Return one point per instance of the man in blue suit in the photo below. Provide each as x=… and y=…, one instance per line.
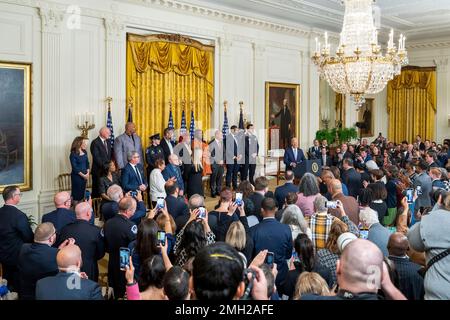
x=69, y=283
x=234, y=146
x=175, y=204
x=293, y=155
x=133, y=177
x=275, y=237
x=282, y=191
x=38, y=260
x=173, y=170
x=111, y=208
x=62, y=216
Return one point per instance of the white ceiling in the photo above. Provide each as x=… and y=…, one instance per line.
x=418, y=19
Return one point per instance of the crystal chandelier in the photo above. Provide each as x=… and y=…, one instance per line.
x=359, y=66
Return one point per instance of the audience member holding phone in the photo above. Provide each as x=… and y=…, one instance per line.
x=225, y=213
x=195, y=235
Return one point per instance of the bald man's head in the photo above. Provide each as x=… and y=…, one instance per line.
x=83, y=211
x=360, y=267
x=69, y=258
x=398, y=244
x=335, y=186
x=62, y=200
x=104, y=133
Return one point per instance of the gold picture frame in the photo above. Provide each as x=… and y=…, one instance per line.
x=16, y=125
x=366, y=115
x=275, y=93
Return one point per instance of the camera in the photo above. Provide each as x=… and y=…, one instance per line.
x=269, y=259
x=419, y=190
x=124, y=258
x=239, y=199
x=331, y=204
x=201, y=213
x=409, y=194
x=161, y=236
x=160, y=203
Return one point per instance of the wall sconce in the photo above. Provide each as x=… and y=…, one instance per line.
x=85, y=122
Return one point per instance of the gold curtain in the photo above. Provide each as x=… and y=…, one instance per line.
x=340, y=108
x=411, y=104
x=161, y=68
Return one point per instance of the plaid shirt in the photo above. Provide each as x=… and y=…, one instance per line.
x=329, y=260
x=320, y=225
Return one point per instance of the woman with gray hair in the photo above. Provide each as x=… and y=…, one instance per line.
x=293, y=217
x=308, y=190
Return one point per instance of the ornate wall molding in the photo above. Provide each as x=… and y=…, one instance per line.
x=441, y=64
x=115, y=28
x=429, y=45
x=52, y=19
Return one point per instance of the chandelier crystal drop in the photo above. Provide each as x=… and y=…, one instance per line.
x=359, y=67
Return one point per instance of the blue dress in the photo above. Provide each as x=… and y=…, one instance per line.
x=80, y=163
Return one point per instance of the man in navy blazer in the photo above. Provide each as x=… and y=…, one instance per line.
x=273, y=236
x=167, y=144
x=37, y=260
x=175, y=204
x=133, y=177
x=69, y=283
x=111, y=208
x=173, y=170
x=282, y=191
x=293, y=155
x=62, y=216
x=325, y=159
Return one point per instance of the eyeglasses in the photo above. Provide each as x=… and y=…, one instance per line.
x=19, y=194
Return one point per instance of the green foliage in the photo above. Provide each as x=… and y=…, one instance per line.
x=344, y=134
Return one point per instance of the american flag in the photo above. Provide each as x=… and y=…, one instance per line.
x=183, y=123
x=130, y=115
x=109, y=125
x=241, y=120
x=225, y=127
x=170, y=124
x=192, y=126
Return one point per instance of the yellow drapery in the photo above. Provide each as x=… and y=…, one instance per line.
x=161, y=68
x=411, y=104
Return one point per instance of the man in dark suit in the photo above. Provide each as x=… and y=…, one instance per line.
x=217, y=152
x=293, y=155
x=69, y=283
x=345, y=152
x=325, y=159
x=351, y=178
x=285, y=124
x=430, y=158
x=175, y=204
x=261, y=191
x=101, y=154
x=251, y=153
x=410, y=281
x=282, y=191
x=364, y=156
x=314, y=151
x=133, y=177
x=37, y=260
x=273, y=236
x=167, y=144
x=62, y=215
x=233, y=150
x=111, y=208
x=119, y=231
x=173, y=170
x=88, y=237
x=15, y=231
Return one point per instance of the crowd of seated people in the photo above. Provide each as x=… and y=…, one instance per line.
x=377, y=205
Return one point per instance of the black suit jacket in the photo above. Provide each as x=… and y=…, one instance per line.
x=257, y=199
x=90, y=240
x=352, y=180
x=289, y=157
x=14, y=232
x=282, y=191
x=176, y=206
x=36, y=261
x=56, y=288
x=111, y=208
x=328, y=161
x=166, y=149
x=59, y=217
x=314, y=154
x=100, y=156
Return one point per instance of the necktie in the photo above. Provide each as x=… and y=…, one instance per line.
x=106, y=146
x=295, y=154
x=138, y=175
x=132, y=137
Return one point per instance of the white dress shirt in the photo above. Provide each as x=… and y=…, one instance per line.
x=157, y=183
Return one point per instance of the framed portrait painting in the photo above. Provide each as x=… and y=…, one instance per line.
x=366, y=117
x=282, y=114
x=15, y=125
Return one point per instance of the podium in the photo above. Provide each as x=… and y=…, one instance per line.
x=311, y=166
